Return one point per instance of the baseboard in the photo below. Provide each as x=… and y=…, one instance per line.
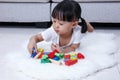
x=25, y=24
x=106, y=25
x=48, y=24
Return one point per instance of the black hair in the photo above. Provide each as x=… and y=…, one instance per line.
x=69, y=10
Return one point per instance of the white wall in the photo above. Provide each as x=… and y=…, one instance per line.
x=24, y=12
x=40, y=12
x=101, y=12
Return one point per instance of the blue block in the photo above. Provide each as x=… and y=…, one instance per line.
x=46, y=53
x=56, y=58
x=66, y=59
x=33, y=54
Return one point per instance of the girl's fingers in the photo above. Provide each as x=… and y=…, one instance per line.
x=30, y=48
x=55, y=47
x=36, y=48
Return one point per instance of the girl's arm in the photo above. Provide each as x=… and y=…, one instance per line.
x=70, y=48
x=33, y=42
x=89, y=27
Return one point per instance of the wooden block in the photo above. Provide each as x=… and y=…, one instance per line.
x=55, y=62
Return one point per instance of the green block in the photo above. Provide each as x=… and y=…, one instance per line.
x=60, y=55
x=45, y=61
x=44, y=56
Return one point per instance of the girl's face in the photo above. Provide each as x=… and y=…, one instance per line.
x=63, y=27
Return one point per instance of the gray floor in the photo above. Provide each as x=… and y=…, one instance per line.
x=8, y=37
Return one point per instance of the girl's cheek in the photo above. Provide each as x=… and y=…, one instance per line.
x=53, y=24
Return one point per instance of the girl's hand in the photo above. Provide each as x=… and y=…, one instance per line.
x=57, y=47
x=53, y=47
x=32, y=44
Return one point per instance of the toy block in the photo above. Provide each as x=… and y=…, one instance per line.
x=40, y=50
x=60, y=55
x=51, y=55
x=55, y=62
x=67, y=56
x=39, y=55
x=80, y=56
x=73, y=56
x=56, y=58
x=34, y=53
x=44, y=56
x=45, y=61
x=67, y=59
x=70, y=62
x=46, y=53
x=56, y=51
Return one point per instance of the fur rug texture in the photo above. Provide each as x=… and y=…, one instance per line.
x=98, y=49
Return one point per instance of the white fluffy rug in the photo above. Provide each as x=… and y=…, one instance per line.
x=98, y=49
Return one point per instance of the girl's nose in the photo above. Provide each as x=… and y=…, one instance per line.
x=56, y=25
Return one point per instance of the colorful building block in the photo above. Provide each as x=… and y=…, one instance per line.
x=66, y=57
x=55, y=62
x=45, y=59
x=56, y=58
x=73, y=56
x=52, y=54
x=60, y=55
x=40, y=53
x=34, y=53
x=46, y=53
x=80, y=56
x=40, y=50
x=70, y=62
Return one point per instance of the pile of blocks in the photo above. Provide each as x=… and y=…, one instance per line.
x=56, y=57
x=72, y=58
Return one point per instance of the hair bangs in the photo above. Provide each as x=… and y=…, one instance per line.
x=66, y=11
x=63, y=15
x=57, y=14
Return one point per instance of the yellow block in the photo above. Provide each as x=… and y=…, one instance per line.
x=40, y=50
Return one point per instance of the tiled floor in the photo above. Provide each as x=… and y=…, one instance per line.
x=8, y=42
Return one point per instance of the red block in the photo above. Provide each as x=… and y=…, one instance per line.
x=70, y=62
x=56, y=51
x=51, y=55
x=40, y=56
x=67, y=56
x=80, y=56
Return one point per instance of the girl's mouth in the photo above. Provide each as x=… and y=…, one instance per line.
x=56, y=31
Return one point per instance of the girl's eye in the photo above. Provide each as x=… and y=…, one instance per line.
x=61, y=23
x=54, y=21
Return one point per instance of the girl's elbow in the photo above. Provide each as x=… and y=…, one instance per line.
x=90, y=29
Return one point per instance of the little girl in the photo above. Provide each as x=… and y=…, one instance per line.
x=65, y=33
